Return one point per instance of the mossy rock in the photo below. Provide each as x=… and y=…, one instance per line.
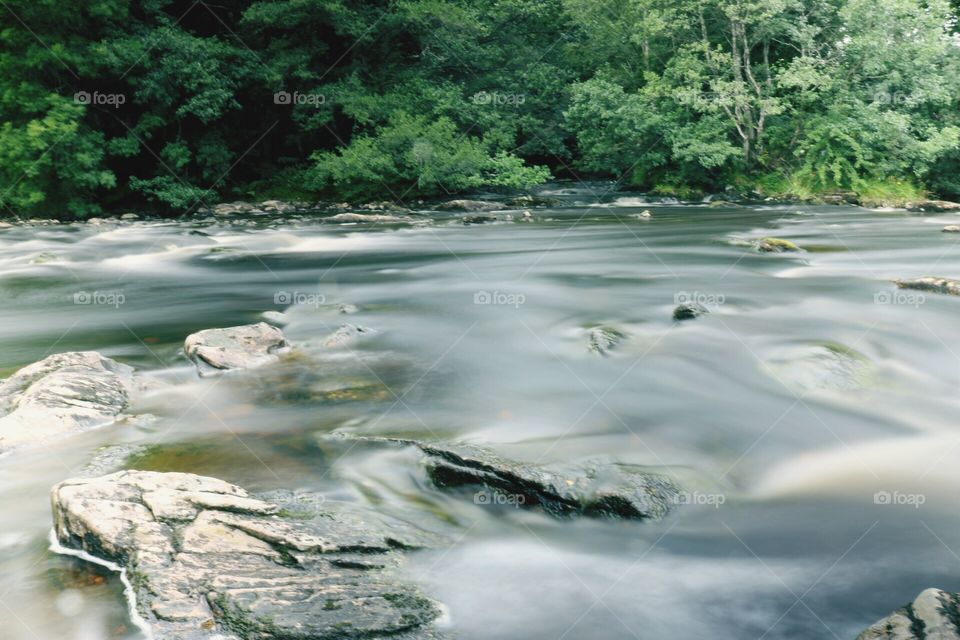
x=777, y=245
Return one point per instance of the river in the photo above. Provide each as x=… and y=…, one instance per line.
x=811, y=415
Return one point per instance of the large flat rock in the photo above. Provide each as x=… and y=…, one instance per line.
x=62, y=394
x=934, y=615
x=208, y=560
x=244, y=347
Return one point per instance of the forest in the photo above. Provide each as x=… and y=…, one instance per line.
x=166, y=105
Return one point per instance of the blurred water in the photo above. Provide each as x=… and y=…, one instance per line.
x=812, y=386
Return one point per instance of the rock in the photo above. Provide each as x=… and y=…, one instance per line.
x=826, y=366
x=593, y=488
x=953, y=228
x=277, y=206
x=689, y=311
x=468, y=205
x=776, y=245
x=384, y=206
x=243, y=347
x=602, y=340
x=931, y=284
x=531, y=201
x=369, y=218
x=62, y=394
x=643, y=215
x=934, y=615
x=839, y=198
x=935, y=206
x=345, y=335
x=206, y=560
x=129, y=216
x=95, y=221
x=5, y=225
x=481, y=219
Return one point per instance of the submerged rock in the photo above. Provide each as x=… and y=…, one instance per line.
x=689, y=311
x=933, y=285
x=934, y=615
x=243, y=347
x=827, y=366
x=602, y=340
x=479, y=219
x=344, y=335
x=468, y=205
x=777, y=245
x=209, y=561
x=60, y=394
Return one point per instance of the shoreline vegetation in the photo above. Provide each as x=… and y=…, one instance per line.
x=167, y=106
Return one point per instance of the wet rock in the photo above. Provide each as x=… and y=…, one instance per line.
x=345, y=335
x=129, y=216
x=5, y=225
x=689, y=311
x=468, y=206
x=827, y=366
x=934, y=615
x=602, y=340
x=935, y=206
x=531, y=201
x=369, y=218
x=643, y=215
x=243, y=347
x=384, y=206
x=931, y=284
x=62, y=394
x=593, y=488
x=776, y=245
x=481, y=219
x=207, y=560
x=953, y=228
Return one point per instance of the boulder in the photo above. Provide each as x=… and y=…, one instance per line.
x=934, y=615
x=243, y=347
x=952, y=228
x=468, y=205
x=689, y=311
x=931, y=284
x=479, y=219
x=207, y=560
x=62, y=394
x=935, y=206
x=776, y=245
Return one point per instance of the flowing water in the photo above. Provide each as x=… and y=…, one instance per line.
x=811, y=415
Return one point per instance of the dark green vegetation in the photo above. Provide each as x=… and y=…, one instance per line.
x=170, y=103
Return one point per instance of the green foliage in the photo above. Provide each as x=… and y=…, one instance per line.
x=402, y=98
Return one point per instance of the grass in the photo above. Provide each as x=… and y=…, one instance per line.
x=871, y=192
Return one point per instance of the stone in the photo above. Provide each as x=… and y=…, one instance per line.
x=776, y=245
x=62, y=394
x=244, y=347
x=369, y=218
x=934, y=615
x=952, y=228
x=468, y=206
x=129, y=216
x=207, y=560
x=934, y=285
x=689, y=311
x=602, y=340
x=345, y=335
x=935, y=206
